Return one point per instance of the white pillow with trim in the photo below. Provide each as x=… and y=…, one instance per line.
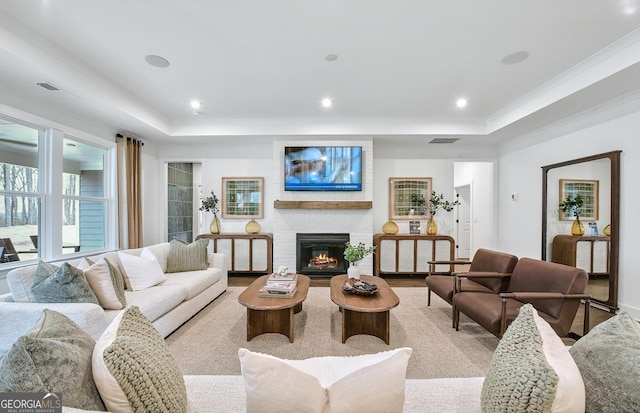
x=368, y=383
x=106, y=282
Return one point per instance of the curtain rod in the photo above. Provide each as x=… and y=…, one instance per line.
x=119, y=135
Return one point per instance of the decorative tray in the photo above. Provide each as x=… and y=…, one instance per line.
x=359, y=287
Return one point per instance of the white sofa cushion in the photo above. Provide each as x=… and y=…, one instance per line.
x=194, y=282
x=19, y=281
x=142, y=271
x=158, y=300
x=368, y=383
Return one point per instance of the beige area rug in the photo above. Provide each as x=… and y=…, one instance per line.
x=209, y=342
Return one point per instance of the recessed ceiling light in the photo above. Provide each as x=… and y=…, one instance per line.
x=195, y=104
x=461, y=103
x=327, y=103
x=331, y=57
x=157, y=61
x=514, y=58
x=629, y=10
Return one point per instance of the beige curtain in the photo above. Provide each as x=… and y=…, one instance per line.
x=129, y=192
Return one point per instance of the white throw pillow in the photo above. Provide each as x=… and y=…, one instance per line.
x=570, y=394
x=368, y=383
x=160, y=251
x=142, y=272
x=107, y=284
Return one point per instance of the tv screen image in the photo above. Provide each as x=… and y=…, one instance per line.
x=323, y=168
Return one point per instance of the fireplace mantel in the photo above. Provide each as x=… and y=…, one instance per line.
x=322, y=204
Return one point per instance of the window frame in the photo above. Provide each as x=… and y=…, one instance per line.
x=50, y=179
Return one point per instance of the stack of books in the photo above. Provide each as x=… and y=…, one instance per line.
x=279, y=286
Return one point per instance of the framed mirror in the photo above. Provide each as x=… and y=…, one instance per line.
x=402, y=193
x=597, y=179
x=242, y=197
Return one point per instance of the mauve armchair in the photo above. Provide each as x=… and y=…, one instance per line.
x=485, y=262
x=555, y=290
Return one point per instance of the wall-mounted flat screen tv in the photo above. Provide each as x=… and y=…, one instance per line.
x=323, y=168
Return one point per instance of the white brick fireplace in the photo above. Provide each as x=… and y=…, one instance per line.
x=358, y=223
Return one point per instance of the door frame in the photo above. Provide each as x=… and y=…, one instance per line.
x=457, y=226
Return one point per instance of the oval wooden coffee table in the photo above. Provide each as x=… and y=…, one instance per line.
x=364, y=314
x=272, y=315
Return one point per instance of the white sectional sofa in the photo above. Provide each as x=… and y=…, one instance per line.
x=167, y=305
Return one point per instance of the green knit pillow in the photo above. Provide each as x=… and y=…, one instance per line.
x=134, y=369
x=187, y=257
x=520, y=379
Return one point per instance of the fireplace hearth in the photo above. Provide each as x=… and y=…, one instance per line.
x=321, y=255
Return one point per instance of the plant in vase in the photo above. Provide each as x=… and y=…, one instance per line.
x=210, y=204
x=436, y=203
x=572, y=205
x=354, y=254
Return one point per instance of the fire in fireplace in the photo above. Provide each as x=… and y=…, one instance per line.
x=321, y=255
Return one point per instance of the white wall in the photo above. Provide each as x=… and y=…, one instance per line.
x=519, y=226
x=224, y=160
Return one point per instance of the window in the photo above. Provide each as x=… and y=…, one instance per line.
x=20, y=196
x=83, y=197
x=57, y=204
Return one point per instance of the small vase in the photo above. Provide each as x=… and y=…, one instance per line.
x=252, y=227
x=577, y=228
x=607, y=230
x=432, y=227
x=390, y=228
x=353, y=272
x=215, y=225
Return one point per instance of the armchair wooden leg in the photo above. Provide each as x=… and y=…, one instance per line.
x=503, y=318
x=428, y=296
x=586, y=323
x=456, y=317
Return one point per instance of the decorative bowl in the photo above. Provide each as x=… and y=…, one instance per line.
x=358, y=287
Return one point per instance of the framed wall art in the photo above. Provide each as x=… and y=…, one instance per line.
x=588, y=190
x=243, y=197
x=404, y=195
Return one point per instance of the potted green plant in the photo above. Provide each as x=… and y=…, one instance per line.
x=354, y=254
x=436, y=203
x=210, y=204
x=572, y=205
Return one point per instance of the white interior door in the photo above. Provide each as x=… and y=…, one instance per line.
x=463, y=222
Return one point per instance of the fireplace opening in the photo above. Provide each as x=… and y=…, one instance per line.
x=321, y=255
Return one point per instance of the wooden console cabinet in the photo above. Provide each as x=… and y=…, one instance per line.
x=247, y=253
x=588, y=253
x=404, y=254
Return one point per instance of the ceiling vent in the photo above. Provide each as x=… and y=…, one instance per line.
x=47, y=86
x=444, y=140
